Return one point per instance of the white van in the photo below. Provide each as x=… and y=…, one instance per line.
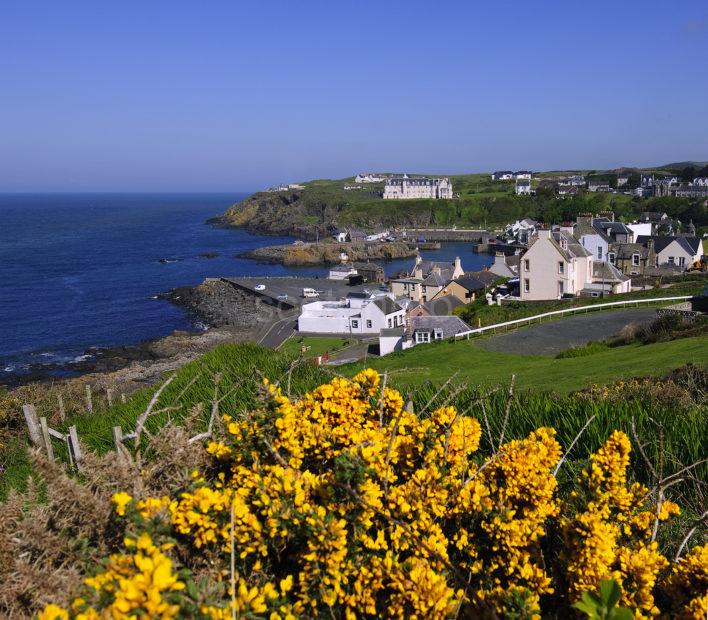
x=310, y=292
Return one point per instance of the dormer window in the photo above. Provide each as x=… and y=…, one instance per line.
x=635, y=260
x=564, y=244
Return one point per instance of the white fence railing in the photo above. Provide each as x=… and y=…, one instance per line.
x=590, y=307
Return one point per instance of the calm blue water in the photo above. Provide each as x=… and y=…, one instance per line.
x=78, y=271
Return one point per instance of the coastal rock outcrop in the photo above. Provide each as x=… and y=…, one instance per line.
x=329, y=253
x=219, y=304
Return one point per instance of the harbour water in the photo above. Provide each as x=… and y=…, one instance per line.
x=81, y=271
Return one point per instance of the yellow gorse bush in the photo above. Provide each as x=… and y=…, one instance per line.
x=344, y=503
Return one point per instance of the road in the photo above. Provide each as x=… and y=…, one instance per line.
x=560, y=334
x=279, y=332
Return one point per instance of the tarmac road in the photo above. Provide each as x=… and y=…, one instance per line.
x=560, y=334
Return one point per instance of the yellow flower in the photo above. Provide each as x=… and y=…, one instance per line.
x=53, y=612
x=121, y=500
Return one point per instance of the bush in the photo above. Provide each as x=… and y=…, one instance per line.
x=581, y=351
x=346, y=503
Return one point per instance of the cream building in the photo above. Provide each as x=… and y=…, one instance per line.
x=556, y=264
x=402, y=188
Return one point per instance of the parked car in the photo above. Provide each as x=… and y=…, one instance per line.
x=259, y=287
x=282, y=297
x=310, y=292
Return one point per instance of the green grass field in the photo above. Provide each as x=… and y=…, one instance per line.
x=316, y=345
x=438, y=361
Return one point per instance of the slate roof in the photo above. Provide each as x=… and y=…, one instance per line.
x=469, y=283
x=487, y=277
x=604, y=271
x=392, y=331
x=450, y=325
x=442, y=306
x=573, y=250
x=387, y=305
x=437, y=279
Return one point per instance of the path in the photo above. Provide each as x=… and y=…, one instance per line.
x=560, y=334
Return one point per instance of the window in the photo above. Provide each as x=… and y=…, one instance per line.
x=527, y=265
x=355, y=324
x=422, y=336
x=369, y=324
x=671, y=260
x=561, y=267
x=560, y=288
x=599, y=252
x=438, y=334
x=611, y=257
x=389, y=323
x=682, y=261
x=527, y=285
x=635, y=260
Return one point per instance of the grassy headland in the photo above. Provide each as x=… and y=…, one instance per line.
x=481, y=203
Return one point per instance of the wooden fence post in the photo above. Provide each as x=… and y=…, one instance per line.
x=33, y=425
x=89, y=399
x=47, y=438
x=62, y=410
x=109, y=396
x=117, y=438
x=74, y=445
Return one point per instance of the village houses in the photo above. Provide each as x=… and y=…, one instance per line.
x=426, y=279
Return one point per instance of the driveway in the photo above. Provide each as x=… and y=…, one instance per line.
x=560, y=334
x=279, y=332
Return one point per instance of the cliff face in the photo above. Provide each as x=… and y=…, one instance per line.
x=309, y=213
x=329, y=253
x=282, y=213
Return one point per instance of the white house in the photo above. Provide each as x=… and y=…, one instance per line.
x=702, y=181
x=369, y=178
x=598, y=185
x=342, y=271
x=523, y=186
x=522, y=230
x=502, y=175
x=354, y=315
x=679, y=252
x=642, y=229
x=406, y=188
x=391, y=340
x=577, y=179
x=523, y=174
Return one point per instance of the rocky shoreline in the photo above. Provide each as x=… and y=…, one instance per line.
x=230, y=314
x=329, y=253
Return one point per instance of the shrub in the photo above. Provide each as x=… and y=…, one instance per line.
x=581, y=351
x=346, y=503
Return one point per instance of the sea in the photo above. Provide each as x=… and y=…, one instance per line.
x=81, y=271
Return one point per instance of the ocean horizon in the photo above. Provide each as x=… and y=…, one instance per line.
x=79, y=271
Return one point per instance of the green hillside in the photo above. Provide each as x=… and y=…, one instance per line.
x=480, y=203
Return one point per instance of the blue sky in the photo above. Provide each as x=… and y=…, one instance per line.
x=235, y=95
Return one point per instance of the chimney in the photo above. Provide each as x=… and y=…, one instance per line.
x=585, y=218
x=544, y=233
x=650, y=244
x=610, y=215
x=458, y=264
